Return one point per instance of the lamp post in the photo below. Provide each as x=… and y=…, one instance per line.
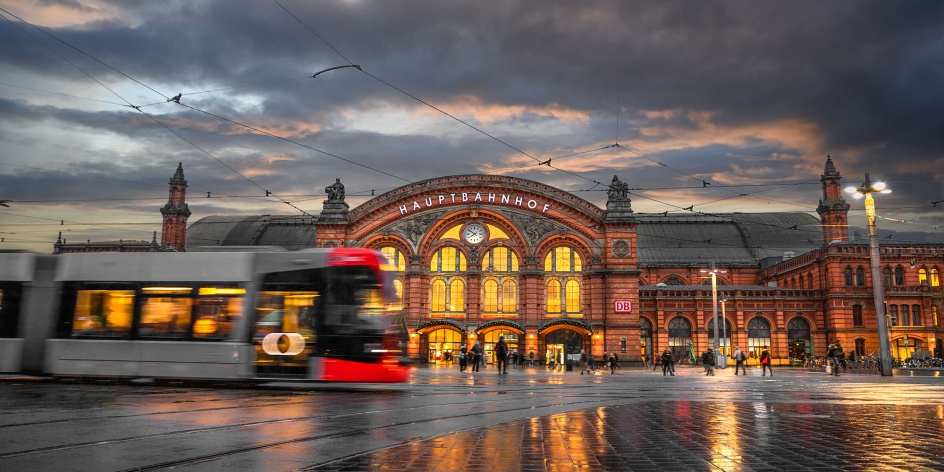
x=866, y=190
x=714, y=300
x=724, y=326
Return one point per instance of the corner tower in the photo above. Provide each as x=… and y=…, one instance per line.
x=176, y=212
x=833, y=209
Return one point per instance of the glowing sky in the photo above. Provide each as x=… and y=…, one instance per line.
x=722, y=106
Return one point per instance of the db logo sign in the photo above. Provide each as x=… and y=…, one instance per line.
x=283, y=344
x=623, y=306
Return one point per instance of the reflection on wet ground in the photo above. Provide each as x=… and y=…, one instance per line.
x=672, y=435
x=530, y=419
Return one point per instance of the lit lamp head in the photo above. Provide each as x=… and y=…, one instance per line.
x=867, y=187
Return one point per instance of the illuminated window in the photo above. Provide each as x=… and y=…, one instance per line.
x=563, y=267
x=457, y=295
x=572, y=296
x=448, y=259
x=103, y=313
x=438, y=302
x=935, y=278
x=758, y=336
x=396, y=258
x=553, y=296
x=923, y=276
x=490, y=302
x=217, y=311
x=509, y=296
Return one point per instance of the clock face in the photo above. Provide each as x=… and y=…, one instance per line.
x=474, y=233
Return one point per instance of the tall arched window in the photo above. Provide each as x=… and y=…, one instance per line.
x=645, y=338
x=680, y=338
x=563, y=268
x=500, y=290
x=447, y=268
x=848, y=275
x=935, y=277
x=860, y=276
x=398, y=266
x=886, y=276
x=905, y=316
x=758, y=336
x=899, y=276
x=915, y=315
x=799, y=338
x=923, y=276
x=857, y=315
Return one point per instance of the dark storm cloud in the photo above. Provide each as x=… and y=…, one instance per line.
x=726, y=92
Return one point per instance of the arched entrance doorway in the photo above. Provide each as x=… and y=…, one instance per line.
x=439, y=342
x=561, y=340
x=799, y=339
x=491, y=338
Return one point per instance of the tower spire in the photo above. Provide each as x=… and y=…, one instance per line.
x=833, y=209
x=176, y=212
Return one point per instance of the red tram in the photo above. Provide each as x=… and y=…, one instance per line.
x=261, y=314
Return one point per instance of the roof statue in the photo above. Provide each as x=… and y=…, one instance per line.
x=335, y=191
x=618, y=190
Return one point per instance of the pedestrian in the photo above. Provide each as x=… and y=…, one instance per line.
x=463, y=358
x=583, y=361
x=765, y=363
x=708, y=359
x=612, y=362
x=591, y=368
x=531, y=359
x=834, y=352
x=739, y=358
x=668, y=363
x=656, y=362
x=549, y=358
x=501, y=355
x=476, y=356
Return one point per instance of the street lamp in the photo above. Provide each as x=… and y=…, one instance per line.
x=714, y=299
x=866, y=190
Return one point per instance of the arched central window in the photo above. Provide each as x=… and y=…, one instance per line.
x=447, y=291
x=500, y=285
x=758, y=336
x=563, y=267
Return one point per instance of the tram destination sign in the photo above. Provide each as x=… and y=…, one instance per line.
x=623, y=306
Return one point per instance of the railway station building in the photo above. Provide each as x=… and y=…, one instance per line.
x=483, y=256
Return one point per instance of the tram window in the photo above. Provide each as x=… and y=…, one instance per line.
x=9, y=310
x=217, y=311
x=103, y=313
x=285, y=312
x=165, y=312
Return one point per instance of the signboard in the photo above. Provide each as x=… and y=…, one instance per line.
x=623, y=306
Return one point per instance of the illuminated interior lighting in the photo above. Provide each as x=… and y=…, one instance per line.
x=167, y=289
x=221, y=291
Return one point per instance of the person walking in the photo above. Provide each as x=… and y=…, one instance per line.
x=476, y=356
x=531, y=359
x=549, y=359
x=591, y=368
x=463, y=358
x=501, y=355
x=765, y=363
x=668, y=363
x=834, y=352
x=708, y=359
x=583, y=362
x=739, y=358
x=612, y=362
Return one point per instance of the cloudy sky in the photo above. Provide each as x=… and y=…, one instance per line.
x=721, y=106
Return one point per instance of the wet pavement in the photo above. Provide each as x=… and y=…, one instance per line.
x=529, y=419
